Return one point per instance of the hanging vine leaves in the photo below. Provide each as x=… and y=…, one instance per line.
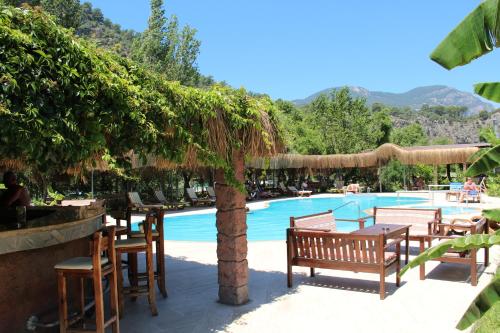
x=64, y=101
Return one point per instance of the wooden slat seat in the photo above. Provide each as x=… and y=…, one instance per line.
x=342, y=251
x=130, y=242
x=83, y=263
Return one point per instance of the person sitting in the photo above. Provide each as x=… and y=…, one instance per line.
x=304, y=185
x=15, y=195
x=419, y=183
x=352, y=188
x=470, y=188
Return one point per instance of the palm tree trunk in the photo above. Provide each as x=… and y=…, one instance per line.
x=232, y=236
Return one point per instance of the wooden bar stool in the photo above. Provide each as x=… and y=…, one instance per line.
x=133, y=246
x=96, y=268
x=158, y=238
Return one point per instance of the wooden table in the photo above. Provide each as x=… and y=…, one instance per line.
x=391, y=231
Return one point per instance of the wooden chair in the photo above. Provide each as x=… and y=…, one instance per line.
x=330, y=250
x=197, y=201
x=134, y=246
x=158, y=236
x=446, y=231
x=323, y=221
x=96, y=268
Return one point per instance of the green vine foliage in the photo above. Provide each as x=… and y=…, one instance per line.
x=64, y=101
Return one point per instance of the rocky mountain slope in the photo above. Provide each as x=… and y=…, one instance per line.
x=415, y=98
x=457, y=131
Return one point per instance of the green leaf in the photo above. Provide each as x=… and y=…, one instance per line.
x=488, y=90
x=492, y=214
x=487, y=162
x=469, y=242
x=475, y=36
x=487, y=299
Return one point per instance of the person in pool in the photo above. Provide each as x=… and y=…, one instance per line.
x=15, y=195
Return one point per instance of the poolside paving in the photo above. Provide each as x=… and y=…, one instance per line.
x=332, y=301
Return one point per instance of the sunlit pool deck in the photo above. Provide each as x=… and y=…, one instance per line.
x=333, y=300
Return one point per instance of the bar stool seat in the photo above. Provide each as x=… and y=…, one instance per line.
x=140, y=234
x=130, y=242
x=101, y=265
x=81, y=263
x=121, y=230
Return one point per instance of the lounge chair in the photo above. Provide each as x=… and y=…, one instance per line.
x=134, y=201
x=282, y=188
x=198, y=201
x=211, y=193
x=293, y=190
x=470, y=196
x=169, y=204
x=455, y=191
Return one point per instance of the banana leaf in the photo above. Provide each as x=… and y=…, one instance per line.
x=487, y=300
x=492, y=214
x=475, y=36
x=487, y=162
x=459, y=244
x=488, y=90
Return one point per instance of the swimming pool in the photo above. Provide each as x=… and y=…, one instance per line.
x=270, y=223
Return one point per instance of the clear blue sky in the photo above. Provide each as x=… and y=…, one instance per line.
x=290, y=49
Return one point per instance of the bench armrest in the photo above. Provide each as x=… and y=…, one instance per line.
x=360, y=221
x=395, y=241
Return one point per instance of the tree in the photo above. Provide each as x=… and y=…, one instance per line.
x=165, y=49
x=345, y=124
x=66, y=12
x=411, y=135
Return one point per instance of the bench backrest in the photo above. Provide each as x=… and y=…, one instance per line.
x=324, y=220
x=335, y=247
x=419, y=218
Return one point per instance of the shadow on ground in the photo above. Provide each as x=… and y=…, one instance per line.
x=191, y=305
x=193, y=292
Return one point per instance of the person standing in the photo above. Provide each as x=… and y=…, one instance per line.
x=15, y=195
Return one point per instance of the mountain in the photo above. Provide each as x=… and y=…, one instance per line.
x=415, y=98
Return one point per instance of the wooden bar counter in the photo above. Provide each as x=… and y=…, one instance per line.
x=28, y=255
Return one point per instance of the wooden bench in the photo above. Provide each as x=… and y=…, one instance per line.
x=323, y=220
x=317, y=248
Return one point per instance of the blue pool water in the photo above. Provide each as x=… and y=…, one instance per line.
x=270, y=223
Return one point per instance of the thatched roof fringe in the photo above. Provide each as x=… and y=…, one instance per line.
x=433, y=155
